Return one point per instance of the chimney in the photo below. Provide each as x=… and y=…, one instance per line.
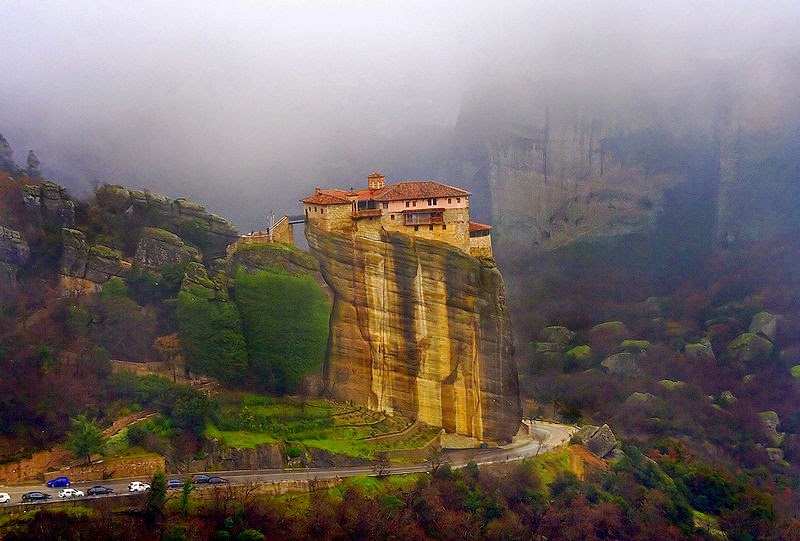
x=318, y=191
x=376, y=181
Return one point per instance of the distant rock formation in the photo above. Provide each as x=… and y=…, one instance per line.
x=419, y=328
x=7, y=163
x=14, y=252
x=33, y=165
x=49, y=202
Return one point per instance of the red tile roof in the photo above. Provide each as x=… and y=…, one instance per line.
x=475, y=226
x=326, y=199
x=424, y=189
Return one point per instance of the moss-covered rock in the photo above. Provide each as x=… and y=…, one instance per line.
x=671, y=384
x=103, y=263
x=634, y=346
x=699, y=349
x=159, y=248
x=750, y=349
x=272, y=255
x=561, y=336
x=610, y=327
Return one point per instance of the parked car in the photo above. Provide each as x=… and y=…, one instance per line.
x=62, y=481
x=200, y=478
x=175, y=483
x=71, y=493
x=4, y=497
x=35, y=496
x=217, y=480
x=99, y=490
x=138, y=486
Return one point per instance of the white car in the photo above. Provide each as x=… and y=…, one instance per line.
x=70, y=493
x=4, y=497
x=138, y=486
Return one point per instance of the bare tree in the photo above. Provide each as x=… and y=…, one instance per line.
x=381, y=464
x=435, y=460
x=539, y=437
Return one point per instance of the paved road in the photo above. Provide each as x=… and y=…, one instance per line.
x=543, y=437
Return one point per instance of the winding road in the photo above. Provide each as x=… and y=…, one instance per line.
x=542, y=437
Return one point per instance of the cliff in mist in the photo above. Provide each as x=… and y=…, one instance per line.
x=550, y=162
x=419, y=328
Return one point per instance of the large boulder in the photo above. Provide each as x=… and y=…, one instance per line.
x=764, y=324
x=599, y=440
x=750, y=349
x=158, y=248
x=622, y=364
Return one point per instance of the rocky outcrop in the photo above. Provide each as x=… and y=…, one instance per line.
x=103, y=263
x=272, y=255
x=49, y=202
x=158, y=248
x=33, y=165
x=14, y=252
x=7, y=163
x=74, y=253
x=419, y=328
x=219, y=457
x=86, y=265
x=770, y=421
x=185, y=218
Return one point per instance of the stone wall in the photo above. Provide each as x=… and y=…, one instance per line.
x=329, y=217
x=481, y=247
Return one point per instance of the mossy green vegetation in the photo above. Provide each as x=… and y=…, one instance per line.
x=285, y=324
x=211, y=333
x=246, y=420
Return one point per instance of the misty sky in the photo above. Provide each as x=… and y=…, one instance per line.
x=245, y=106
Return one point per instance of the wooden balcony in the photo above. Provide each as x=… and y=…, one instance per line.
x=365, y=213
x=424, y=218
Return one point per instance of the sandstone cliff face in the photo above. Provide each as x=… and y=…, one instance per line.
x=420, y=328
